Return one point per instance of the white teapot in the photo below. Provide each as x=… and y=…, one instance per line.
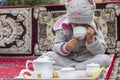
x=42, y=65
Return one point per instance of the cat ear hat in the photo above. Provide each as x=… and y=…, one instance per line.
x=78, y=11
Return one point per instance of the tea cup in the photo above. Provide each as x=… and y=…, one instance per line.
x=91, y=68
x=79, y=32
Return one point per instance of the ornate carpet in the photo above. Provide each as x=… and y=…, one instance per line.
x=15, y=30
x=10, y=67
x=115, y=74
x=113, y=71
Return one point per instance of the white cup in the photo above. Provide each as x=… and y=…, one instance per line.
x=80, y=73
x=79, y=32
x=91, y=68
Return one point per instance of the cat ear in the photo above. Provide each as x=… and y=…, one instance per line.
x=68, y=1
x=91, y=1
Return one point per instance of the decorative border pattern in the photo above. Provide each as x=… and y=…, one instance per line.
x=46, y=20
x=15, y=31
x=110, y=14
x=108, y=24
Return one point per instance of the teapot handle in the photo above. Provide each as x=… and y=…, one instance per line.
x=27, y=64
x=22, y=73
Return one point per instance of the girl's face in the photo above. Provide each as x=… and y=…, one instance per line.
x=75, y=25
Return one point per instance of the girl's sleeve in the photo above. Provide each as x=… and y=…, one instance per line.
x=98, y=46
x=59, y=43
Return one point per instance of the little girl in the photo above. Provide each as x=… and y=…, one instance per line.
x=69, y=50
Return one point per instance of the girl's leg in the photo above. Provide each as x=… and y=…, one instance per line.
x=61, y=61
x=102, y=59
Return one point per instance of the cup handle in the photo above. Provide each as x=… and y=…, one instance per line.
x=21, y=74
x=27, y=64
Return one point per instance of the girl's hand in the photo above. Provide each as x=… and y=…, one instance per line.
x=90, y=33
x=72, y=44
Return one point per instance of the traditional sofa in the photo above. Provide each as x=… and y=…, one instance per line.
x=27, y=30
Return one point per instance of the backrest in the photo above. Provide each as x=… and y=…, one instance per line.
x=107, y=16
x=27, y=30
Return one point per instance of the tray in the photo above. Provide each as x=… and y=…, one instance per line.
x=94, y=77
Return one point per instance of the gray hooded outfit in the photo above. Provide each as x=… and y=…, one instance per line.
x=84, y=53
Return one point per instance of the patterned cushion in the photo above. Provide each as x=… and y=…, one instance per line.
x=106, y=17
x=24, y=33
x=15, y=31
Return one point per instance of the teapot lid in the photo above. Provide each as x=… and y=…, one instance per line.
x=44, y=59
x=67, y=69
x=93, y=64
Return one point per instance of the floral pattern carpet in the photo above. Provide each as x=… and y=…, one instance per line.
x=113, y=71
x=11, y=67
x=116, y=69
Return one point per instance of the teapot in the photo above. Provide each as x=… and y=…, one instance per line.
x=42, y=65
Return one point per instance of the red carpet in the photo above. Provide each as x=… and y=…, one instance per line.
x=10, y=67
